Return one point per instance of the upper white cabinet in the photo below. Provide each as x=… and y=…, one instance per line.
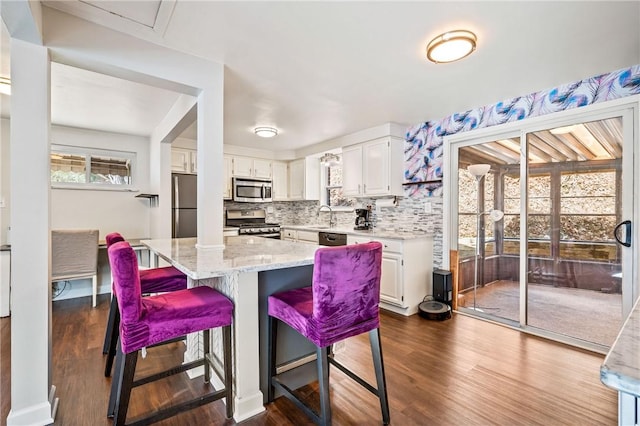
x=280, y=178
x=228, y=166
x=304, y=179
x=184, y=160
x=373, y=168
x=251, y=167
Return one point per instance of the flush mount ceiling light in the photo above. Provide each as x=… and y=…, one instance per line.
x=5, y=85
x=266, y=132
x=451, y=46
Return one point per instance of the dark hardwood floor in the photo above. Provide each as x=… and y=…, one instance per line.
x=461, y=371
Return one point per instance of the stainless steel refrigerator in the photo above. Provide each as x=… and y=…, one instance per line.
x=184, y=203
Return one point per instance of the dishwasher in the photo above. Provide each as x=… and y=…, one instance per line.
x=332, y=239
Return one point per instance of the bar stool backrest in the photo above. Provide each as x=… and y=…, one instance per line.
x=346, y=287
x=126, y=281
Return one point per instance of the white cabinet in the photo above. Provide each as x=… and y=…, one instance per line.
x=352, y=171
x=373, y=168
x=304, y=179
x=251, y=167
x=280, y=171
x=227, y=188
x=184, y=160
x=300, y=236
x=407, y=267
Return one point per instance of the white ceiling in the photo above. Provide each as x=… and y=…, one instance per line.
x=320, y=70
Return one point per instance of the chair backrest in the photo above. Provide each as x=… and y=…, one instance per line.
x=113, y=238
x=346, y=285
x=126, y=281
x=74, y=253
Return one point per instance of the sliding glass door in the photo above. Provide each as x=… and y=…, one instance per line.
x=535, y=214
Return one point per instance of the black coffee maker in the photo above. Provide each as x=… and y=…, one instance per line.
x=363, y=219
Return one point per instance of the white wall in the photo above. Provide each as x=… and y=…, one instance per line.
x=107, y=211
x=5, y=181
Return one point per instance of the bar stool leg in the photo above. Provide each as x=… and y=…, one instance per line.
x=323, y=388
x=116, y=382
x=113, y=308
x=115, y=332
x=126, y=385
x=376, y=352
x=206, y=337
x=228, y=370
x=272, y=332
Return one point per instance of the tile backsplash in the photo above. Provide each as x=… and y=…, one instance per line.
x=407, y=215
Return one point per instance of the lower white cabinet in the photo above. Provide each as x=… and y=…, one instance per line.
x=299, y=236
x=407, y=267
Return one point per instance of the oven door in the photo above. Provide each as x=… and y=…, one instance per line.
x=252, y=190
x=274, y=236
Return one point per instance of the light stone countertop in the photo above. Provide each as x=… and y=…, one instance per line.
x=621, y=368
x=240, y=254
x=379, y=233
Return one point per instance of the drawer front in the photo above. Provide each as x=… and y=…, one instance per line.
x=308, y=236
x=394, y=246
x=289, y=234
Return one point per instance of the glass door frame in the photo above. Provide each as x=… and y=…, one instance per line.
x=629, y=109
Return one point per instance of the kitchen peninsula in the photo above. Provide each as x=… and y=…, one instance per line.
x=247, y=270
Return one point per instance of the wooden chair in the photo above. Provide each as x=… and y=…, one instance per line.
x=74, y=256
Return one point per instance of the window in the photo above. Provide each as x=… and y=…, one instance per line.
x=332, y=184
x=90, y=168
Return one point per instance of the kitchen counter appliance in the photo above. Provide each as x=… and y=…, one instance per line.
x=252, y=190
x=252, y=222
x=363, y=219
x=332, y=239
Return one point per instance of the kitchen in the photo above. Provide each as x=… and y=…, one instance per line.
x=64, y=200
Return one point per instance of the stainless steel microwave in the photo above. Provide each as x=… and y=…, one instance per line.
x=252, y=190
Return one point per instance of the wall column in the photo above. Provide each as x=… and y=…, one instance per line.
x=30, y=237
x=211, y=163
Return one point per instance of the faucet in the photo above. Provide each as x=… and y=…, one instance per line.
x=332, y=215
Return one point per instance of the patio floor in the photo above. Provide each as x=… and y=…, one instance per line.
x=584, y=314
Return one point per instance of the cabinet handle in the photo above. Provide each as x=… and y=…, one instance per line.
x=250, y=171
x=184, y=166
x=358, y=188
x=364, y=190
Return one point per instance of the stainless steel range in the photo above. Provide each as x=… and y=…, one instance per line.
x=253, y=222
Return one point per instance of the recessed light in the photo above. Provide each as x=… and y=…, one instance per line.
x=451, y=46
x=266, y=132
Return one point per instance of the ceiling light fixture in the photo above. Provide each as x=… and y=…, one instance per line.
x=451, y=46
x=330, y=159
x=5, y=85
x=266, y=132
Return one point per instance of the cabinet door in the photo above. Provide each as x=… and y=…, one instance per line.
x=391, y=279
x=352, y=170
x=296, y=180
x=228, y=165
x=180, y=160
x=262, y=169
x=193, y=161
x=242, y=166
x=280, y=181
x=376, y=168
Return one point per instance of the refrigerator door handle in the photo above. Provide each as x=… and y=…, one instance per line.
x=176, y=222
x=176, y=198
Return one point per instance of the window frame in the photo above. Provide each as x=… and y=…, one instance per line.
x=88, y=153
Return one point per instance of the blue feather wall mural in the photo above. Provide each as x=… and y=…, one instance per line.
x=424, y=149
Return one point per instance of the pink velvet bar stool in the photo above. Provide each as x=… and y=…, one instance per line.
x=156, y=280
x=341, y=302
x=147, y=321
